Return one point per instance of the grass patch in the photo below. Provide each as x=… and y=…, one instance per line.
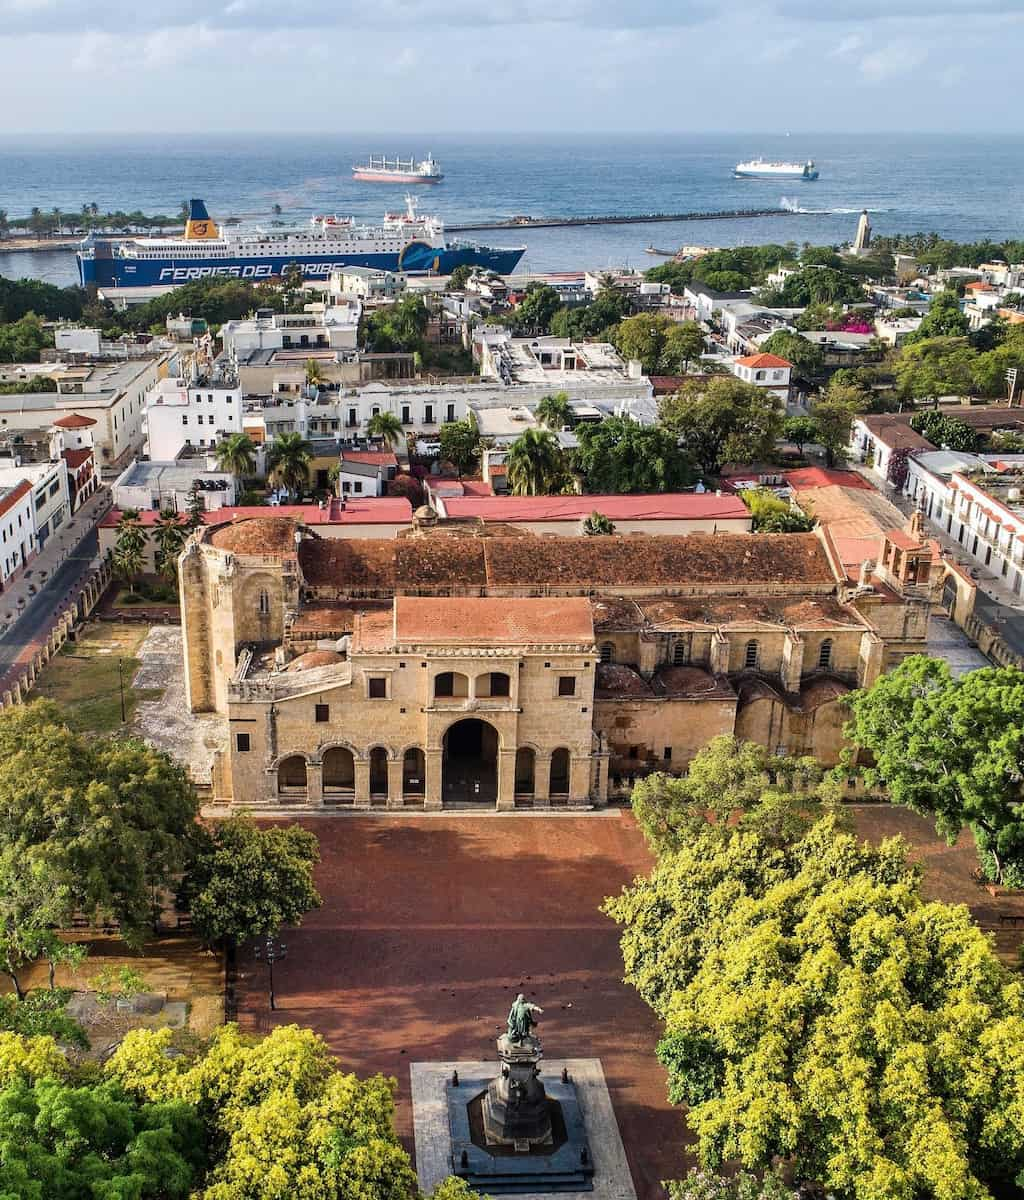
x=84, y=677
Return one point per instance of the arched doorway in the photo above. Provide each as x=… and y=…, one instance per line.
x=414, y=775
x=559, y=786
x=525, y=771
x=378, y=775
x=291, y=777
x=339, y=775
x=470, y=763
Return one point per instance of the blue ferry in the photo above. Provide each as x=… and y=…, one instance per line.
x=402, y=242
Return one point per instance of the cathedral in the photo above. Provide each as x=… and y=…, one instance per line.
x=471, y=664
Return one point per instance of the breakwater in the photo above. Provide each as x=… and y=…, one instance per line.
x=725, y=214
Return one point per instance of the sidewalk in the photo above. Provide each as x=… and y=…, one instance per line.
x=22, y=596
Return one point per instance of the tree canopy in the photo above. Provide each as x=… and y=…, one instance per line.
x=806, y=356
x=535, y=464
x=953, y=750
x=619, y=455
x=942, y=429
x=722, y=420
x=460, y=444
x=944, y=318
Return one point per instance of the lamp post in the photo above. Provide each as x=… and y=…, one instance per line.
x=272, y=951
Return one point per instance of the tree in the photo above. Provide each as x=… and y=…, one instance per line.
x=778, y=797
x=643, y=338
x=816, y=285
x=129, y=544
x=102, y=821
x=833, y=420
x=23, y=340
x=935, y=367
x=169, y=534
x=704, y=1185
x=33, y=901
x=61, y=1142
x=944, y=430
x=288, y=459
x=944, y=319
x=723, y=419
x=409, y=487
x=42, y=1013
x=236, y=454
x=554, y=411
x=618, y=455
x=314, y=372
x=196, y=508
x=387, y=426
x=397, y=328
x=774, y=515
x=598, y=525
x=532, y=315
x=807, y=357
x=460, y=444
x=535, y=464
x=286, y=1121
x=458, y=279
x=818, y=1010
x=596, y=320
x=799, y=431
x=951, y=749
x=684, y=344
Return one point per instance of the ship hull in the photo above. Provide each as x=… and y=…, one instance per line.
x=394, y=177
x=807, y=176
x=416, y=258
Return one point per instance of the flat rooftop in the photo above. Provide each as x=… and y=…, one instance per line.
x=167, y=476
x=681, y=506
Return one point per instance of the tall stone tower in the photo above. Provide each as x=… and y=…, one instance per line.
x=862, y=242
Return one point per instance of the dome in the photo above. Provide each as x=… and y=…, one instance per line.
x=315, y=658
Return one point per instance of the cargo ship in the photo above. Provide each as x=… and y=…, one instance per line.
x=758, y=168
x=403, y=241
x=398, y=170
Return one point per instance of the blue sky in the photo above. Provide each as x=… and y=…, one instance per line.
x=533, y=65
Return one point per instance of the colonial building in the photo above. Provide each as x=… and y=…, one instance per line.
x=467, y=662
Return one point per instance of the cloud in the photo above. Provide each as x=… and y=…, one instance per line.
x=891, y=60
x=860, y=11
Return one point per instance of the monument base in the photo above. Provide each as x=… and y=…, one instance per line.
x=435, y=1143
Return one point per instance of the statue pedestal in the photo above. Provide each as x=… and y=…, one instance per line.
x=516, y=1111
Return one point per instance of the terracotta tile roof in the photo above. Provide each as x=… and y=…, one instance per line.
x=324, y=618
x=268, y=535
x=356, y=563
x=370, y=458
x=617, y=614
x=902, y=540
x=815, y=477
x=673, y=506
x=821, y=690
x=74, y=421
x=895, y=432
x=374, y=631
x=8, y=501
x=692, y=682
x=498, y=621
x=314, y=658
x=772, y=612
x=616, y=681
x=760, y=361
x=75, y=458
x=850, y=512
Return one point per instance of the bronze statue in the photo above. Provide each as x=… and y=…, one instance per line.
x=521, y=1019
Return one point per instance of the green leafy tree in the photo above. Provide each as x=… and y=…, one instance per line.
x=458, y=279
x=618, y=455
x=944, y=319
x=951, y=749
x=990, y=368
x=705, y=1185
x=945, y=430
x=59, y=1142
x=598, y=525
x=774, y=515
x=387, y=426
x=684, y=344
x=460, y=444
x=288, y=459
x=806, y=356
x=818, y=1010
x=246, y=881
x=643, y=338
x=728, y=782
x=129, y=547
x=935, y=367
x=816, y=285
x=23, y=340
x=34, y=900
x=104, y=821
x=554, y=411
x=535, y=464
x=236, y=454
x=169, y=535
x=723, y=419
x=43, y=1013
x=833, y=420
x=397, y=328
x=594, y=321
x=533, y=314
x=799, y=431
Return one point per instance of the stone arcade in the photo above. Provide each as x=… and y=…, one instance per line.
x=472, y=664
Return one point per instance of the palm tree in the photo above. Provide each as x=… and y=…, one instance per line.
x=237, y=454
x=387, y=426
x=313, y=372
x=128, y=548
x=288, y=461
x=554, y=411
x=169, y=533
x=535, y=464
x=58, y=218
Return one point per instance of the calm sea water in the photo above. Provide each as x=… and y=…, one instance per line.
x=965, y=188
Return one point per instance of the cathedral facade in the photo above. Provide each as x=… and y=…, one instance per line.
x=473, y=665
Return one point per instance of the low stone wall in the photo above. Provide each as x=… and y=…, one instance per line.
x=65, y=623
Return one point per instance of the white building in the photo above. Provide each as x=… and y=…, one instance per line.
x=767, y=371
x=17, y=542
x=334, y=327
x=370, y=285
x=365, y=472
x=51, y=503
x=200, y=409
x=169, y=485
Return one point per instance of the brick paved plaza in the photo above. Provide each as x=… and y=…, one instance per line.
x=430, y=924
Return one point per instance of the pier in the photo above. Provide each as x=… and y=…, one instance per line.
x=727, y=214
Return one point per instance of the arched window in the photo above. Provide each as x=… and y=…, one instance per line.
x=825, y=653
x=339, y=774
x=291, y=775
x=751, y=654
x=497, y=683
x=607, y=652
x=264, y=602
x=680, y=654
x=451, y=685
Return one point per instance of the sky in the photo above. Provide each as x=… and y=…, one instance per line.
x=473, y=66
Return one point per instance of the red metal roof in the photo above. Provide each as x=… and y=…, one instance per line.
x=14, y=495
x=382, y=510
x=674, y=506
x=763, y=360
x=75, y=458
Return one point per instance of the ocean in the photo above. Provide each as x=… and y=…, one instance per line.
x=966, y=188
